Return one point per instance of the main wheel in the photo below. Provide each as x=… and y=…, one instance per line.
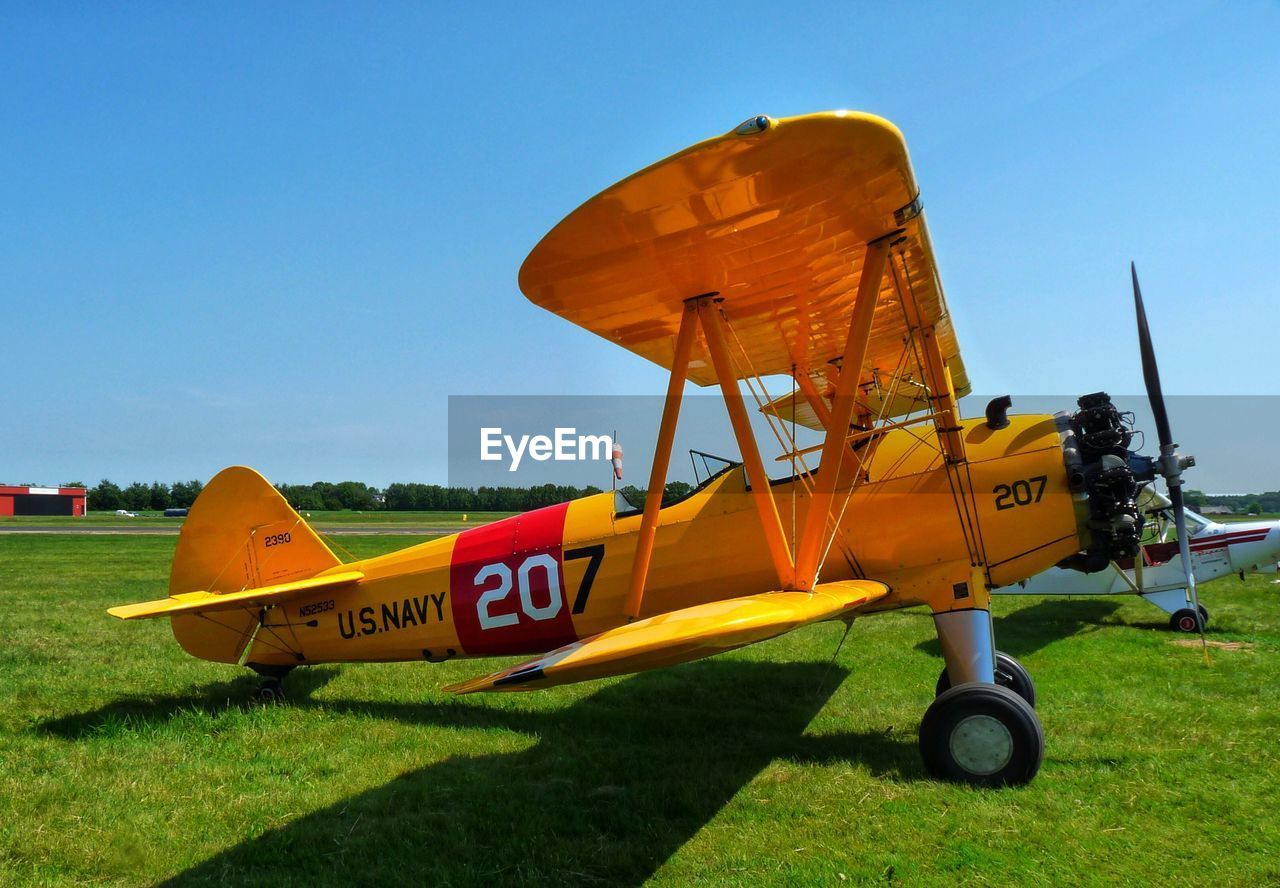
x=1185, y=620
x=981, y=734
x=1009, y=674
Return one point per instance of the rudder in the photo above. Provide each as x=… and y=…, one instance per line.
x=240, y=534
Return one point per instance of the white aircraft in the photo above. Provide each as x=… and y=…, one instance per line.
x=1216, y=550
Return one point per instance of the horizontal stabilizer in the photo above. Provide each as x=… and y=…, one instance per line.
x=204, y=602
x=681, y=636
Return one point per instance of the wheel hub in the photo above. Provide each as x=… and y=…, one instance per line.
x=981, y=744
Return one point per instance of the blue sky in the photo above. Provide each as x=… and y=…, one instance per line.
x=283, y=235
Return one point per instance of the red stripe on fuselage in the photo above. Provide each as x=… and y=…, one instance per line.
x=523, y=554
x=1228, y=539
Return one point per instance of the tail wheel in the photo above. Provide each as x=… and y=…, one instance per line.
x=270, y=691
x=983, y=735
x=1185, y=620
x=1009, y=674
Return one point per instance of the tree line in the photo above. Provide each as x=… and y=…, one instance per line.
x=107, y=496
x=1245, y=503
x=405, y=497
x=434, y=498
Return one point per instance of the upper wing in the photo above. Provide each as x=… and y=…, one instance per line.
x=204, y=602
x=681, y=636
x=774, y=220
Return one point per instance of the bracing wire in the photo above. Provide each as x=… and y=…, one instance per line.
x=965, y=517
x=826, y=675
x=751, y=377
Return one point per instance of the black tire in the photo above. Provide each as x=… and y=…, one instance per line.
x=1009, y=674
x=983, y=735
x=1185, y=620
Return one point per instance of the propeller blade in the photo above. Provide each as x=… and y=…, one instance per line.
x=1150, y=372
x=1169, y=463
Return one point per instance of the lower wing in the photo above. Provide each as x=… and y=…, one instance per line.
x=681, y=636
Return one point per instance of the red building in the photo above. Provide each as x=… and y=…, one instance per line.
x=42, y=500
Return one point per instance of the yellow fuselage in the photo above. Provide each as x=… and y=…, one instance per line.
x=535, y=581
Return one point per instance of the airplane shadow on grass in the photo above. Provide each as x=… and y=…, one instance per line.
x=1028, y=629
x=610, y=788
x=212, y=699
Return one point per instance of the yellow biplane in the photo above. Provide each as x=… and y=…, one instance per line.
x=790, y=247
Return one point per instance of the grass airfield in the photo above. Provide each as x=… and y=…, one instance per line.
x=123, y=761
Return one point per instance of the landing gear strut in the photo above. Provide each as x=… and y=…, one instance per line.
x=1009, y=674
x=983, y=731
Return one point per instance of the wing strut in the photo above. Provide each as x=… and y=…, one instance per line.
x=819, y=406
x=798, y=571
x=662, y=457
x=809, y=546
x=702, y=311
x=761, y=492
x=946, y=410
x=811, y=394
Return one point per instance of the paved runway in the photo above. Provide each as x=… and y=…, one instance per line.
x=172, y=530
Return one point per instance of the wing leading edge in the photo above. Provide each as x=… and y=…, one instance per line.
x=681, y=636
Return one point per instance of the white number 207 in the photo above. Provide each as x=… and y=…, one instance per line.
x=550, y=568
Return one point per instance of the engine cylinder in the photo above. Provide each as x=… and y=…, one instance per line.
x=1095, y=442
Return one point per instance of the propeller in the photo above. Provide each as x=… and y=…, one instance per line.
x=1170, y=463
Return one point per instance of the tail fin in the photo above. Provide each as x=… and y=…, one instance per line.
x=240, y=534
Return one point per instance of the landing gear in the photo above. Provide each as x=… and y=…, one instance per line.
x=271, y=688
x=1185, y=620
x=983, y=731
x=981, y=734
x=1009, y=674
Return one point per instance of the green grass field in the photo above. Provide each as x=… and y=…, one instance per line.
x=123, y=761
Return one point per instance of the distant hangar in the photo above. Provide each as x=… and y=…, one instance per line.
x=42, y=500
